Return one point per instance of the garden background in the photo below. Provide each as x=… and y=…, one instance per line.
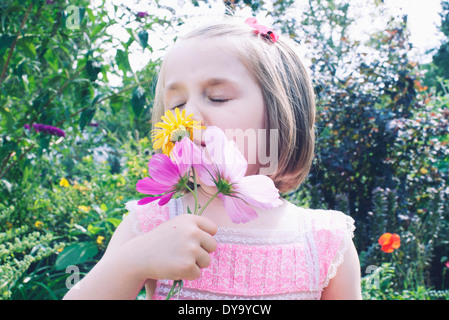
x=75, y=122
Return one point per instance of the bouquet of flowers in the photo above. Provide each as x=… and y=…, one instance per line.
x=218, y=164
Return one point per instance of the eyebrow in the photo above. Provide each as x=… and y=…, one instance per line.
x=209, y=82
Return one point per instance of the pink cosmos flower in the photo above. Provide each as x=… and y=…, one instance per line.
x=167, y=175
x=225, y=167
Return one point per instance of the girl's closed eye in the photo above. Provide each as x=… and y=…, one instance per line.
x=177, y=105
x=218, y=99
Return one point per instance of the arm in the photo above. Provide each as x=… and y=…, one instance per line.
x=176, y=249
x=346, y=283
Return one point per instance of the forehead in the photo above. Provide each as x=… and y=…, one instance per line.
x=196, y=60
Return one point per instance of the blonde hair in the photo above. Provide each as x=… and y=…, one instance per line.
x=287, y=91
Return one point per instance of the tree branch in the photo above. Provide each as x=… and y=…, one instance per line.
x=5, y=67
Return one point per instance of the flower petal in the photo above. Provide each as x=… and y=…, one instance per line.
x=396, y=241
x=238, y=210
x=184, y=154
x=163, y=170
x=385, y=238
x=259, y=191
x=150, y=186
x=225, y=154
x=166, y=198
x=147, y=200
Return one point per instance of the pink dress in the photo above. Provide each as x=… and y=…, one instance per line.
x=289, y=263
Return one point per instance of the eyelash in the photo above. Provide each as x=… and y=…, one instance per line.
x=219, y=100
x=211, y=99
x=178, y=106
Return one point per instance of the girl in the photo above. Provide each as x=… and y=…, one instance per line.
x=241, y=77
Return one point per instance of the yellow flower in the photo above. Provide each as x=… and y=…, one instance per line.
x=100, y=240
x=424, y=171
x=84, y=208
x=172, y=129
x=64, y=183
x=38, y=224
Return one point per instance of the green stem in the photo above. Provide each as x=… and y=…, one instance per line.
x=209, y=201
x=196, y=190
x=176, y=288
x=196, y=199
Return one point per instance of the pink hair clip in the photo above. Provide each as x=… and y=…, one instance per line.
x=267, y=32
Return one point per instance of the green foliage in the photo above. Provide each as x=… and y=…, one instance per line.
x=62, y=197
x=381, y=282
x=437, y=72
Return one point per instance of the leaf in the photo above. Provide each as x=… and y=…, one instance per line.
x=138, y=100
x=143, y=38
x=76, y=254
x=114, y=221
x=121, y=58
x=5, y=43
x=86, y=117
x=93, y=230
x=116, y=103
x=92, y=69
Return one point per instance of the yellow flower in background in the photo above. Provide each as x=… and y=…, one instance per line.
x=64, y=183
x=424, y=171
x=84, y=208
x=173, y=128
x=38, y=224
x=100, y=240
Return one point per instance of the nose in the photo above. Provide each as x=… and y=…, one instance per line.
x=193, y=107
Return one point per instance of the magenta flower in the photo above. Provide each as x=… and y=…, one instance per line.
x=142, y=14
x=168, y=176
x=47, y=129
x=226, y=169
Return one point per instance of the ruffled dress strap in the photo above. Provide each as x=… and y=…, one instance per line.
x=330, y=233
x=147, y=217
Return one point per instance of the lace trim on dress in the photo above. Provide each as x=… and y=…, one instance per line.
x=255, y=237
x=339, y=257
x=194, y=294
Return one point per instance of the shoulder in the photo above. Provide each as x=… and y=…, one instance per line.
x=321, y=221
x=329, y=234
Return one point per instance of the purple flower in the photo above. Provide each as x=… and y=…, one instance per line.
x=142, y=14
x=26, y=126
x=48, y=129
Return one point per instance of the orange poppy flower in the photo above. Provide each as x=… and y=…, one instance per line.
x=389, y=242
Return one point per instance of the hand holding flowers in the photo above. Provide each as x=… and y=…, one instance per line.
x=219, y=165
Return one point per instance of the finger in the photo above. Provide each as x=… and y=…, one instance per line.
x=207, y=225
x=208, y=242
x=193, y=273
x=203, y=259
